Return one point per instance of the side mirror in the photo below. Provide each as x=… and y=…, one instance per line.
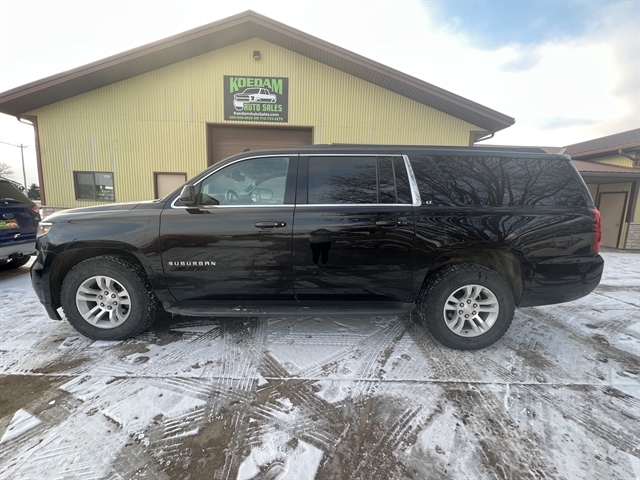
x=188, y=196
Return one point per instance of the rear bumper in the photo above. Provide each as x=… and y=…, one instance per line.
x=563, y=279
x=19, y=249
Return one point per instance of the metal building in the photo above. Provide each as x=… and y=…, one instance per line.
x=610, y=167
x=136, y=125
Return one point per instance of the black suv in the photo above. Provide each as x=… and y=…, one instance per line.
x=19, y=219
x=461, y=234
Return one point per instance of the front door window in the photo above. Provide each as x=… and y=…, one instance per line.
x=260, y=181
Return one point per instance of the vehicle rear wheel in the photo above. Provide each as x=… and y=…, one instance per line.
x=17, y=263
x=466, y=306
x=108, y=298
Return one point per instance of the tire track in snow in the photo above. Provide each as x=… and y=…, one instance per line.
x=497, y=436
x=610, y=430
x=627, y=360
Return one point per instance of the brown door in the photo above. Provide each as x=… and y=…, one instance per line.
x=611, y=210
x=227, y=140
x=167, y=182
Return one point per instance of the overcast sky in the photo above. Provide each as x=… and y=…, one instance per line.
x=567, y=71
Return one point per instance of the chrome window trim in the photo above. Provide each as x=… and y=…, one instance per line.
x=173, y=204
x=353, y=205
x=415, y=191
x=353, y=155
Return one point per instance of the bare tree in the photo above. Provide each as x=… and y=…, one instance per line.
x=5, y=170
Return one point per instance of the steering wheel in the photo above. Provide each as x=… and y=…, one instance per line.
x=231, y=197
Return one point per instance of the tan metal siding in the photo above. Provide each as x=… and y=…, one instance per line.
x=157, y=121
x=617, y=160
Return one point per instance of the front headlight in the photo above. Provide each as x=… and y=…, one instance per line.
x=43, y=228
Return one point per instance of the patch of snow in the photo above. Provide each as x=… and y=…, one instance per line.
x=195, y=329
x=282, y=457
x=105, y=343
x=149, y=402
x=298, y=358
x=635, y=464
x=21, y=422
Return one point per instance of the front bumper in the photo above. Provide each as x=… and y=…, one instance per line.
x=40, y=280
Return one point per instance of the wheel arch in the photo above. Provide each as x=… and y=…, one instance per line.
x=504, y=263
x=71, y=256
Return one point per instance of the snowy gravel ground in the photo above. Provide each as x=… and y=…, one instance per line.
x=325, y=397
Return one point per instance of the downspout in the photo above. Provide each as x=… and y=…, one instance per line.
x=488, y=137
x=33, y=121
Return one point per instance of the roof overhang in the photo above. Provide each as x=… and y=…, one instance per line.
x=609, y=177
x=227, y=32
x=628, y=148
x=602, y=172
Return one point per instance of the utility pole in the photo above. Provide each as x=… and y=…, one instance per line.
x=24, y=172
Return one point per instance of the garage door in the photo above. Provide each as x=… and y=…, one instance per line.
x=226, y=140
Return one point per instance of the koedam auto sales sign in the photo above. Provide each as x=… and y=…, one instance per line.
x=256, y=99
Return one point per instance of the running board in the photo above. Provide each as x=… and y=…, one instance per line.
x=248, y=310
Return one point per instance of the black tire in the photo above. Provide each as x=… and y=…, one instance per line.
x=11, y=264
x=143, y=304
x=443, y=285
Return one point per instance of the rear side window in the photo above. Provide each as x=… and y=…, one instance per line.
x=10, y=192
x=450, y=180
x=357, y=180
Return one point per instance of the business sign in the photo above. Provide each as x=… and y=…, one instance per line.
x=256, y=99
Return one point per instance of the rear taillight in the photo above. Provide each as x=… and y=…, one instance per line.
x=35, y=209
x=597, y=231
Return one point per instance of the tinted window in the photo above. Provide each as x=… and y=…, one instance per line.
x=460, y=181
x=8, y=190
x=342, y=180
x=353, y=179
x=403, y=188
x=259, y=181
x=386, y=181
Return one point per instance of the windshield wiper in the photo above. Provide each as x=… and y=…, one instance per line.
x=10, y=200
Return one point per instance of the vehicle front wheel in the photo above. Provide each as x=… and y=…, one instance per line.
x=108, y=298
x=466, y=306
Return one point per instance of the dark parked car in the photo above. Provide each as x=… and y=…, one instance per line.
x=463, y=235
x=19, y=219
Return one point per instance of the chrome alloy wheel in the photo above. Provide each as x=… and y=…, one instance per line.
x=471, y=310
x=103, y=302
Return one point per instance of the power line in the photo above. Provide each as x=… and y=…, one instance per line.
x=14, y=145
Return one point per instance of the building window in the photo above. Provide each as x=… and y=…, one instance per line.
x=94, y=186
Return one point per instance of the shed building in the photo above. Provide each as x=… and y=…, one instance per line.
x=610, y=166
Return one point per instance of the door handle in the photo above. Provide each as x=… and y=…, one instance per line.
x=270, y=224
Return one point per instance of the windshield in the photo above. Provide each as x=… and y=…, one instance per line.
x=252, y=90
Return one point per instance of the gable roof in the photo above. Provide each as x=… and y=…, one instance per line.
x=228, y=31
x=603, y=145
